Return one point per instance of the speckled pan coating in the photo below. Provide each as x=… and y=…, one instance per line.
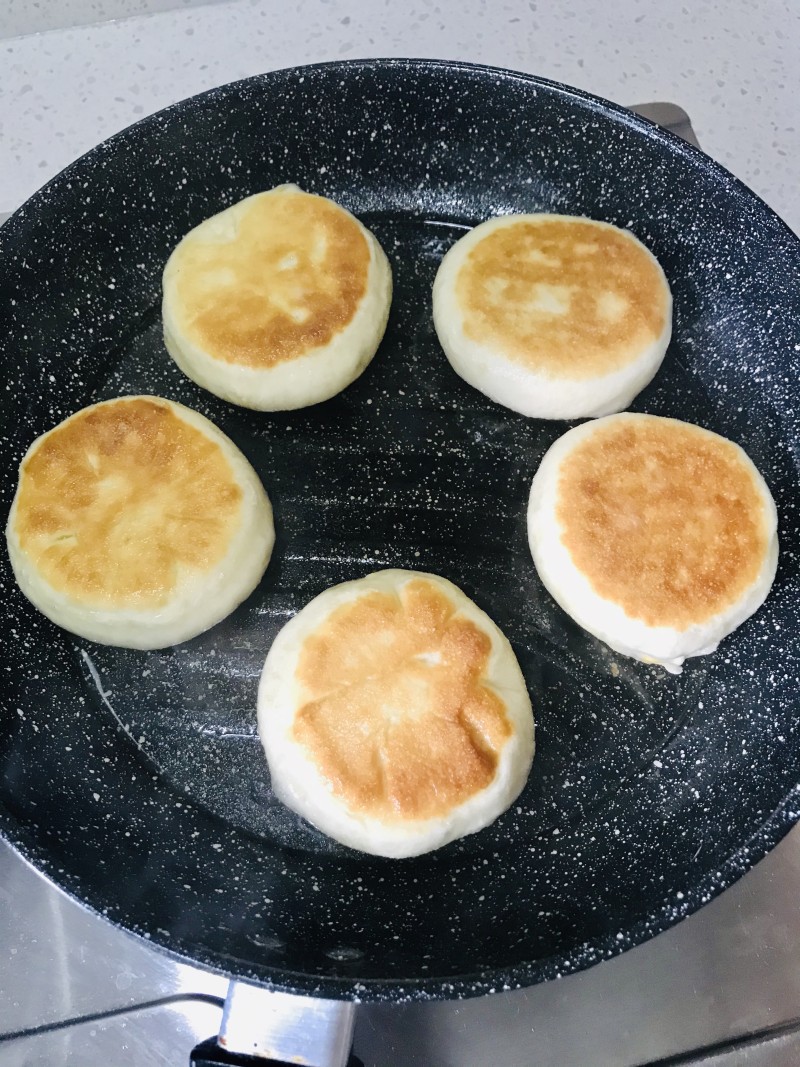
x=136, y=781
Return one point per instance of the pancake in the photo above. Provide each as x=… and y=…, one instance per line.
x=656, y=536
x=136, y=522
x=554, y=316
x=394, y=715
x=278, y=302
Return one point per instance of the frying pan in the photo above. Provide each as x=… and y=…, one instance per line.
x=135, y=781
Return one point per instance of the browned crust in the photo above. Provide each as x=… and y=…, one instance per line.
x=290, y=280
x=399, y=737
x=564, y=298
x=663, y=518
x=116, y=503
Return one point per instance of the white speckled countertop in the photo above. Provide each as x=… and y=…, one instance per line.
x=733, y=65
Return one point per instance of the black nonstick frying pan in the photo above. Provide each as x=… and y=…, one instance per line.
x=136, y=780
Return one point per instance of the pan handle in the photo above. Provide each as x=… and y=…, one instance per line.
x=670, y=117
x=273, y=1026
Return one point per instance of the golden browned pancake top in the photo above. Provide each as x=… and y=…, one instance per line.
x=567, y=299
x=663, y=518
x=289, y=280
x=398, y=718
x=119, y=502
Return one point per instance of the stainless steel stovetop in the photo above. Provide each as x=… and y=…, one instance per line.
x=722, y=988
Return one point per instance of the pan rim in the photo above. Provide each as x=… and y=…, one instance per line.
x=479, y=983
x=606, y=107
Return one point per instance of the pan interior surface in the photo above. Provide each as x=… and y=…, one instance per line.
x=136, y=780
